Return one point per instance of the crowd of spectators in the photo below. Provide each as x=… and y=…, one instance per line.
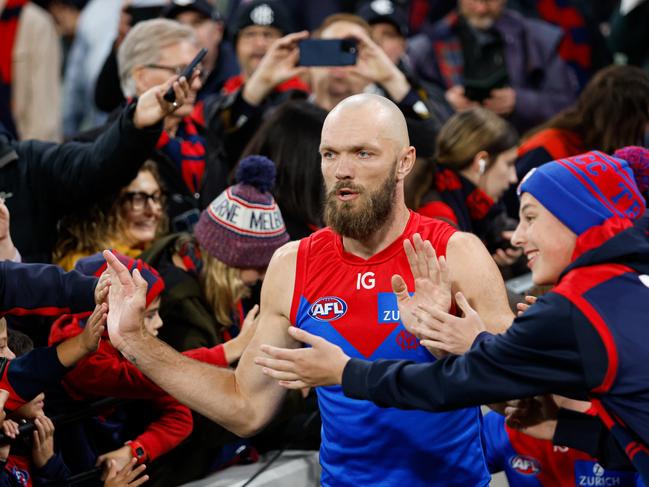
x=92, y=157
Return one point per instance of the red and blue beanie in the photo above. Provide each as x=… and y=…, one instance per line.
x=243, y=226
x=592, y=189
x=95, y=265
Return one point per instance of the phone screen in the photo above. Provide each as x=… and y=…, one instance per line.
x=328, y=52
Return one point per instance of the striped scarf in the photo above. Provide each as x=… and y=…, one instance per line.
x=575, y=48
x=8, y=29
x=470, y=204
x=187, y=150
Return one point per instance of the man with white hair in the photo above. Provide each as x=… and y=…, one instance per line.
x=154, y=50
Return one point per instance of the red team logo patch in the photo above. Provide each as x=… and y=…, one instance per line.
x=328, y=308
x=407, y=341
x=525, y=465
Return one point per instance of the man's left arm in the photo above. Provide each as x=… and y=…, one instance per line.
x=474, y=273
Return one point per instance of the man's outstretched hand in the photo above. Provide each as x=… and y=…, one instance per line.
x=322, y=364
x=126, y=303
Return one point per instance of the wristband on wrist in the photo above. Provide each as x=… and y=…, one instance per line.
x=138, y=451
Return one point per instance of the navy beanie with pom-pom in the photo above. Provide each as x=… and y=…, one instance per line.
x=243, y=226
x=257, y=171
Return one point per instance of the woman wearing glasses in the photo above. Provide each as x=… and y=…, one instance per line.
x=128, y=223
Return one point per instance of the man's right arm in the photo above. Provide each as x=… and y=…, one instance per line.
x=242, y=401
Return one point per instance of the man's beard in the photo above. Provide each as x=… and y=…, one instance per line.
x=372, y=212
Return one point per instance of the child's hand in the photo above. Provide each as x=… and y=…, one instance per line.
x=7, y=249
x=235, y=347
x=522, y=307
x=4, y=449
x=4, y=396
x=76, y=348
x=43, y=448
x=127, y=476
x=10, y=429
x=102, y=288
x=95, y=327
x=120, y=458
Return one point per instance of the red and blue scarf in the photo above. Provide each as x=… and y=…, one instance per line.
x=187, y=150
x=470, y=204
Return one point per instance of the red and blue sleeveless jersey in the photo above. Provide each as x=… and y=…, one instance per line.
x=530, y=462
x=348, y=301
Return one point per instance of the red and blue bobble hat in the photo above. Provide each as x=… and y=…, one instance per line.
x=593, y=193
x=95, y=265
x=638, y=159
x=243, y=226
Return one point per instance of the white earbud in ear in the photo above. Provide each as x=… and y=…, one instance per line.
x=482, y=165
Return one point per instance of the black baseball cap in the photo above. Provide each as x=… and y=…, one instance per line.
x=203, y=7
x=378, y=11
x=266, y=13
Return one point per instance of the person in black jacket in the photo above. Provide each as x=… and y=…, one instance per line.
x=40, y=182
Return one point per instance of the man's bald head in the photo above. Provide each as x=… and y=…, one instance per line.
x=377, y=110
x=366, y=155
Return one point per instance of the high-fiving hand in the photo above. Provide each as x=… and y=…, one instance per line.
x=127, y=302
x=432, y=283
x=320, y=365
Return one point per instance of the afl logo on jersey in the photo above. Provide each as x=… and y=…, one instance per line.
x=329, y=308
x=525, y=465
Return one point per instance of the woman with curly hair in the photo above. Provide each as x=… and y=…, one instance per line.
x=128, y=222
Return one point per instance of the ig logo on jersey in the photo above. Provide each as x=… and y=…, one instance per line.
x=329, y=308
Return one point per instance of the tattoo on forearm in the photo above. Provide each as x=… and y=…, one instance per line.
x=129, y=356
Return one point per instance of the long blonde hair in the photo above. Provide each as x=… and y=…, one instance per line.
x=222, y=287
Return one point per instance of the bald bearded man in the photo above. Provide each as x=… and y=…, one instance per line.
x=337, y=284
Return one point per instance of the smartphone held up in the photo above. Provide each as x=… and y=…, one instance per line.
x=328, y=52
x=170, y=95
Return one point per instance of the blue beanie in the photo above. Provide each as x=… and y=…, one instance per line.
x=585, y=191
